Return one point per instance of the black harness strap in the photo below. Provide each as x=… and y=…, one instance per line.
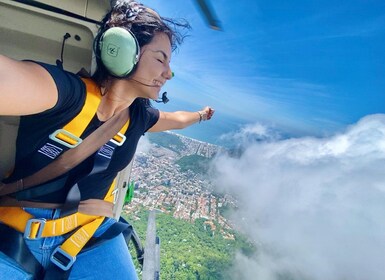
x=101, y=161
x=11, y=239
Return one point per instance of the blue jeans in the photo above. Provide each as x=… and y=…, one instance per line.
x=109, y=260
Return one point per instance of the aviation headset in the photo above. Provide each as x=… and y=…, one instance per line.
x=119, y=51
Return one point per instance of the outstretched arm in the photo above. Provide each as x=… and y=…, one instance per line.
x=181, y=119
x=25, y=88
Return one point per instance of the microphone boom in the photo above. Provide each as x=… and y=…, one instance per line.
x=164, y=98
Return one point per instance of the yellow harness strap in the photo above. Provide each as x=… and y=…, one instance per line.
x=71, y=132
x=36, y=228
x=22, y=221
x=32, y=228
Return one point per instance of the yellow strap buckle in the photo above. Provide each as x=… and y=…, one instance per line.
x=118, y=139
x=62, y=259
x=34, y=228
x=65, y=138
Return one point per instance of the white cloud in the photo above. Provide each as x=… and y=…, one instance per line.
x=249, y=134
x=315, y=205
x=144, y=145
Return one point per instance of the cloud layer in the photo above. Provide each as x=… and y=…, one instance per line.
x=314, y=206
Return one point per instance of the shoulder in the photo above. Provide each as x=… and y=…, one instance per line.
x=71, y=89
x=63, y=79
x=141, y=112
x=71, y=96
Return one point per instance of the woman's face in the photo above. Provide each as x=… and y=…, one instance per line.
x=153, y=69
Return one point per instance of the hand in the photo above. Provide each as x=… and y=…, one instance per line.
x=207, y=113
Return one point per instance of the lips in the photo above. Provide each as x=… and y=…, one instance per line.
x=157, y=83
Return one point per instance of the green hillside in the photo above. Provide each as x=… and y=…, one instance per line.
x=166, y=140
x=195, y=163
x=193, y=251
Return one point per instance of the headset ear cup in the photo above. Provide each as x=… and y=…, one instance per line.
x=119, y=51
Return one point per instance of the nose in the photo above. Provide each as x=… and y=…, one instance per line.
x=169, y=74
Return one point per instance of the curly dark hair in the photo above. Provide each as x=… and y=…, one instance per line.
x=143, y=22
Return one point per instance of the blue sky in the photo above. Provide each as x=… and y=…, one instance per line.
x=313, y=72
x=302, y=68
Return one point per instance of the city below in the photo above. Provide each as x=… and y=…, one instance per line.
x=163, y=183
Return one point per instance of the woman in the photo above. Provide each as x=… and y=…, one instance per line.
x=47, y=98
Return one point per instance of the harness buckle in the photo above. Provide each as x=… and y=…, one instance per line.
x=118, y=139
x=28, y=228
x=65, y=138
x=62, y=259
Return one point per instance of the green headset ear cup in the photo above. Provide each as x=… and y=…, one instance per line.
x=119, y=51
